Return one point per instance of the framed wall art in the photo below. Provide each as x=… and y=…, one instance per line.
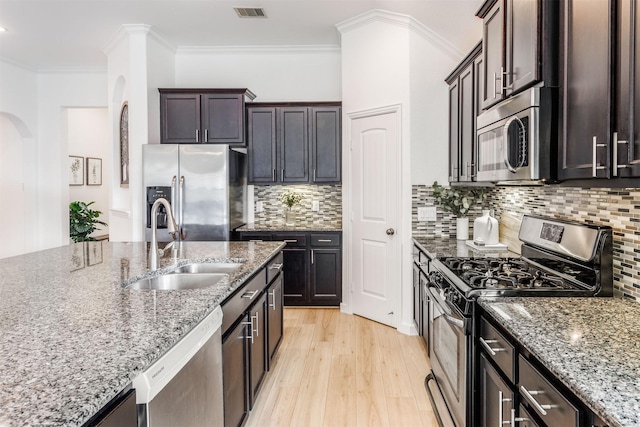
x=94, y=171
x=124, y=145
x=76, y=170
x=94, y=253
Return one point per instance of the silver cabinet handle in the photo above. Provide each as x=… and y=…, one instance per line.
x=250, y=325
x=274, y=176
x=276, y=266
x=616, y=166
x=492, y=351
x=272, y=304
x=325, y=240
x=250, y=294
x=312, y=253
x=596, y=166
x=197, y=135
x=314, y=174
x=206, y=135
x=529, y=396
x=501, y=401
x=255, y=329
x=515, y=419
x=282, y=175
x=290, y=241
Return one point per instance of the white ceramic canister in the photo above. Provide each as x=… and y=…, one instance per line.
x=485, y=229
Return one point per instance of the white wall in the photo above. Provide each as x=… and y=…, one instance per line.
x=87, y=135
x=273, y=74
x=57, y=92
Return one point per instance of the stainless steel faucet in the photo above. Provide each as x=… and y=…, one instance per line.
x=172, y=228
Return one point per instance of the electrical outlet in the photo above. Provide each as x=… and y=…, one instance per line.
x=259, y=207
x=427, y=213
x=315, y=206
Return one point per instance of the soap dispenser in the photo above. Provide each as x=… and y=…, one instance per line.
x=485, y=229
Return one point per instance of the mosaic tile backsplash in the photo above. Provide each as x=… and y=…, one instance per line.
x=328, y=196
x=618, y=208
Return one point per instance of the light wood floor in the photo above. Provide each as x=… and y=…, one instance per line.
x=334, y=369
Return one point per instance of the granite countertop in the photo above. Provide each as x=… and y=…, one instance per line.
x=298, y=226
x=591, y=344
x=71, y=338
x=448, y=247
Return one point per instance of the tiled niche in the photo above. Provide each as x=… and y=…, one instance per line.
x=328, y=196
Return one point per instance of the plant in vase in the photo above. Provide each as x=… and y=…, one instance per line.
x=290, y=200
x=83, y=221
x=458, y=201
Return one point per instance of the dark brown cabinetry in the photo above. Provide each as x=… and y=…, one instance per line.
x=294, y=143
x=249, y=339
x=519, y=47
x=585, y=89
x=463, y=99
x=312, y=266
x=120, y=412
x=496, y=396
x=421, y=294
x=209, y=116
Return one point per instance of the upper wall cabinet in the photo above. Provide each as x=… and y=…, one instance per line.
x=586, y=34
x=294, y=143
x=209, y=116
x=464, y=90
x=518, y=46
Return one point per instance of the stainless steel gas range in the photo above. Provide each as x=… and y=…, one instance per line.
x=559, y=258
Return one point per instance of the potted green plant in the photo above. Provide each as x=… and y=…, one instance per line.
x=290, y=199
x=83, y=221
x=458, y=201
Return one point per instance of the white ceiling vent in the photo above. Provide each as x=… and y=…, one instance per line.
x=250, y=12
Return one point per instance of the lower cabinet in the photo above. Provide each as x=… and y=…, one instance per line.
x=496, y=397
x=421, y=293
x=121, y=412
x=252, y=329
x=312, y=266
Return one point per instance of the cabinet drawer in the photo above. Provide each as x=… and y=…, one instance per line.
x=259, y=236
x=543, y=398
x=234, y=306
x=292, y=240
x=497, y=348
x=274, y=267
x=328, y=239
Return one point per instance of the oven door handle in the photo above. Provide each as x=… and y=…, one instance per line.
x=448, y=314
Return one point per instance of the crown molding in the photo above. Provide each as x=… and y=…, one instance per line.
x=127, y=30
x=258, y=49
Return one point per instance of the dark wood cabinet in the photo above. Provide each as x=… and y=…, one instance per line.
x=626, y=143
x=493, y=33
x=275, y=302
x=463, y=101
x=121, y=412
x=326, y=137
x=294, y=143
x=521, y=44
x=585, y=89
x=209, y=116
x=496, y=397
x=235, y=376
x=312, y=266
x=256, y=322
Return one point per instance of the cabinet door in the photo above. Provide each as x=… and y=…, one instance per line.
x=626, y=144
x=585, y=67
x=326, y=144
x=293, y=140
x=180, y=118
x=223, y=118
x=257, y=346
x=261, y=141
x=522, y=34
x=496, y=397
x=295, y=276
x=454, y=131
x=121, y=413
x=326, y=277
x=493, y=53
x=274, y=317
x=467, y=124
x=235, y=376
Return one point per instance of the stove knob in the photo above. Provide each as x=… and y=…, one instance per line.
x=454, y=297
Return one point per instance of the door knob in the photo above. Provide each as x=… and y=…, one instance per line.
x=390, y=231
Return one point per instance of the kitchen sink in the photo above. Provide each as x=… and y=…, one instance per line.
x=208, y=268
x=177, y=281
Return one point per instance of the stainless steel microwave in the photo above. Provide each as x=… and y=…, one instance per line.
x=515, y=139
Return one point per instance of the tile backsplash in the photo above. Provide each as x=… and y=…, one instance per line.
x=618, y=208
x=329, y=198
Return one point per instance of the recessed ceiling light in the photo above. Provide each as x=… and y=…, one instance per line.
x=3, y=29
x=250, y=12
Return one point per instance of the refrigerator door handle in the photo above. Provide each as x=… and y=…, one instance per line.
x=173, y=200
x=180, y=207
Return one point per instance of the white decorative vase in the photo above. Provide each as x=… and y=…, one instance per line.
x=289, y=216
x=462, y=228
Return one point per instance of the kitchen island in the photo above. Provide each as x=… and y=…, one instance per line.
x=72, y=338
x=592, y=345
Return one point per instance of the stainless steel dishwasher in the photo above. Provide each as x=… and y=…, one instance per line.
x=184, y=387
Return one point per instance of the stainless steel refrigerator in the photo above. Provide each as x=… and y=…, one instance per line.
x=206, y=186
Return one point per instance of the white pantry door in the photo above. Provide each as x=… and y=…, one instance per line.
x=375, y=198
